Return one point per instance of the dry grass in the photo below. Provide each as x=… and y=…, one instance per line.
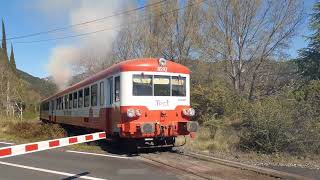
x=86, y=147
x=223, y=139
x=28, y=131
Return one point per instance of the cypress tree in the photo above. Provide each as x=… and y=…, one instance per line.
x=12, y=62
x=4, y=60
x=4, y=38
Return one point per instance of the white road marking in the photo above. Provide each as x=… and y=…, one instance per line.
x=95, y=154
x=6, y=143
x=50, y=171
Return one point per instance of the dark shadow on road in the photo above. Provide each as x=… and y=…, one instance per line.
x=116, y=147
x=119, y=148
x=76, y=176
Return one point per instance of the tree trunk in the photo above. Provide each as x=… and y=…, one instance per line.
x=252, y=87
x=8, y=98
x=253, y=81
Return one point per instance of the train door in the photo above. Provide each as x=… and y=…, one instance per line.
x=116, y=114
x=53, y=110
x=109, y=104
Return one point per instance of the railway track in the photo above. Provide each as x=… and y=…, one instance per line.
x=188, y=165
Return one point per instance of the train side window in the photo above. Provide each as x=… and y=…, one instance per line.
x=66, y=102
x=101, y=93
x=117, y=89
x=110, y=89
x=80, y=100
x=70, y=101
x=94, y=93
x=75, y=99
x=62, y=106
x=86, y=97
x=45, y=106
x=59, y=104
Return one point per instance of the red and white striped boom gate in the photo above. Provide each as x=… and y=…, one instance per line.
x=49, y=144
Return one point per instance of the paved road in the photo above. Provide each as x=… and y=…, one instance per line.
x=311, y=173
x=61, y=164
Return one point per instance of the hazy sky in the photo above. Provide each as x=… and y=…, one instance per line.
x=25, y=17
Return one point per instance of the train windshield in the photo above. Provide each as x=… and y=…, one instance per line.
x=142, y=85
x=158, y=85
x=178, y=86
x=161, y=85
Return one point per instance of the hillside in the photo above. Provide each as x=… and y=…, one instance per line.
x=43, y=86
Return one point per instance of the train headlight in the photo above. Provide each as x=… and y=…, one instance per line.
x=192, y=112
x=131, y=113
x=189, y=112
x=185, y=112
x=138, y=112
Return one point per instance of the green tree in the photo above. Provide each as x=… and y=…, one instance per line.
x=309, y=58
x=4, y=61
x=4, y=39
x=12, y=62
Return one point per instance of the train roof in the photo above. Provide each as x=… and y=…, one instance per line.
x=143, y=64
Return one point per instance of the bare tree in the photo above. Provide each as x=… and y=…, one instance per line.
x=168, y=30
x=247, y=33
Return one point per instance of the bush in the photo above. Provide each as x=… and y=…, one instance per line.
x=267, y=126
x=212, y=101
x=32, y=130
x=279, y=124
x=307, y=118
x=287, y=122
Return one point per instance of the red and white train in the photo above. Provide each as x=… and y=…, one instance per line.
x=147, y=100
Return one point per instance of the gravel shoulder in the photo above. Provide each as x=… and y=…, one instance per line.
x=307, y=166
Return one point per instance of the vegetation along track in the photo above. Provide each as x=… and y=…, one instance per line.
x=190, y=165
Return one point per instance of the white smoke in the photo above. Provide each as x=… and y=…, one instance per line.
x=64, y=57
x=59, y=64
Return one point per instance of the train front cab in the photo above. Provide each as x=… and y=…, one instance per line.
x=154, y=106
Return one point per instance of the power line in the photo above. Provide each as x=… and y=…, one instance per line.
x=106, y=29
x=86, y=22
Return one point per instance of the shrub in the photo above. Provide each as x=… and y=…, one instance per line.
x=279, y=124
x=267, y=126
x=307, y=119
x=33, y=130
x=211, y=101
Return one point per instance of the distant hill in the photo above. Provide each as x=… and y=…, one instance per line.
x=43, y=86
